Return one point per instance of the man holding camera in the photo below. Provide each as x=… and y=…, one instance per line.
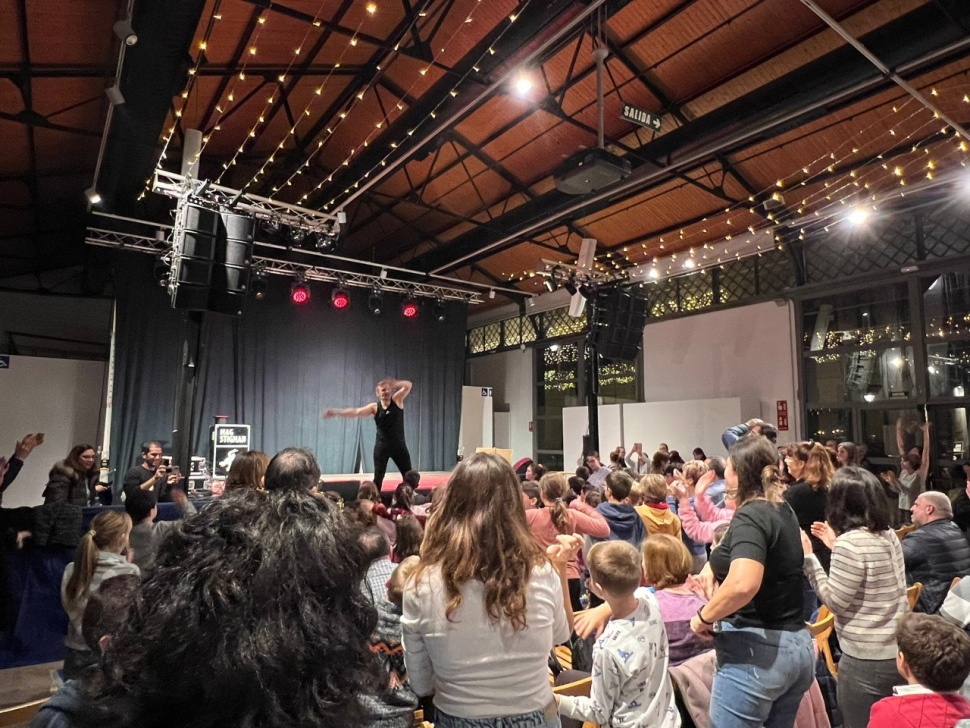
x=152, y=474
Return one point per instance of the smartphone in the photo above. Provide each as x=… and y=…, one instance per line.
x=175, y=470
x=638, y=446
x=166, y=461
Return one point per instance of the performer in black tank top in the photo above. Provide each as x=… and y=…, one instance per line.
x=388, y=414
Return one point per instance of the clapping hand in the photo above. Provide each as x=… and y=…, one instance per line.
x=24, y=447
x=565, y=548
x=704, y=482
x=678, y=489
x=824, y=533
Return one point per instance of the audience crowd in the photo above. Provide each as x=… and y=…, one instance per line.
x=690, y=591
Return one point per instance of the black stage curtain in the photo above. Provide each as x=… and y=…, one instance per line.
x=279, y=366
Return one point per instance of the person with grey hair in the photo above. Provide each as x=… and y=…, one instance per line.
x=936, y=552
x=293, y=468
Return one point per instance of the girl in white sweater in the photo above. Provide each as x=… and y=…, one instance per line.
x=865, y=589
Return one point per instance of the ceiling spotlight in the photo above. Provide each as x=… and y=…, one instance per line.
x=273, y=231
x=587, y=290
x=125, y=32
x=340, y=298
x=550, y=283
x=438, y=311
x=258, y=283
x=326, y=240
x=114, y=95
x=522, y=84
x=375, y=302
x=570, y=285
x=858, y=216
x=298, y=237
x=161, y=272
x=299, y=291
x=371, y=8
x=92, y=194
x=409, y=309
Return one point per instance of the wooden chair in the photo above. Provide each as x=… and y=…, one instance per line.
x=578, y=688
x=17, y=714
x=822, y=630
x=913, y=594
x=904, y=531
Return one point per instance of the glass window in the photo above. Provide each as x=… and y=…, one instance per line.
x=946, y=307
x=552, y=460
x=618, y=381
x=558, y=372
x=860, y=318
x=885, y=431
x=951, y=440
x=860, y=376
x=823, y=425
x=948, y=368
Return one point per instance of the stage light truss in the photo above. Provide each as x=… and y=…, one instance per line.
x=217, y=197
x=162, y=245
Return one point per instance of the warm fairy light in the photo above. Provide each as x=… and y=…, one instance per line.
x=371, y=8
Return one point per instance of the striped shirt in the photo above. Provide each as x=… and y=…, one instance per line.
x=866, y=591
x=109, y=564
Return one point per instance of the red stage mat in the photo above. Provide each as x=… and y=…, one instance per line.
x=391, y=480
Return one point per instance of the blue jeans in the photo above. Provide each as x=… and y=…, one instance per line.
x=548, y=718
x=761, y=677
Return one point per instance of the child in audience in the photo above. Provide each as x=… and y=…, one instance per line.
x=625, y=523
x=408, y=538
x=666, y=567
x=630, y=685
x=106, y=611
x=394, y=707
x=649, y=498
x=99, y=557
x=934, y=659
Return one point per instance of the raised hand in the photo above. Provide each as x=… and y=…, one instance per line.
x=704, y=482
x=824, y=533
x=24, y=447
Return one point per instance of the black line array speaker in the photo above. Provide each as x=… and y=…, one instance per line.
x=212, y=260
x=618, y=320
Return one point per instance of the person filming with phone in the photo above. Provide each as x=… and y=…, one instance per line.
x=152, y=474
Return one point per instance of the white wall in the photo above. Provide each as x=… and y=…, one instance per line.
x=63, y=398
x=575, y=424
x=510, y=375
x=745, y=352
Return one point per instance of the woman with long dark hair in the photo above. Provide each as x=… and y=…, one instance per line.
x=99, y=557
x=865, y=588
x=252, y=616
x=764, y=652
x=75, y=479
x=485, y=606
x=555, y=518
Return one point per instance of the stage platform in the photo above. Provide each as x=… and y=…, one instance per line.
x=352, y=481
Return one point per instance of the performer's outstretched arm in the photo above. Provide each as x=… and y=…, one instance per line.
x=401, y=389
x=368, y=410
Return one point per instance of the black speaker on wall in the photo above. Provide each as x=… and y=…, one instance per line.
x=618, y=320
x=212, y=260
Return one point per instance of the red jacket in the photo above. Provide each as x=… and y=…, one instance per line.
x=922, y=710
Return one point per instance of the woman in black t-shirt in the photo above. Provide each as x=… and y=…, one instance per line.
x=765, y=661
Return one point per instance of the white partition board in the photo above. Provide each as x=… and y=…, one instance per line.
x=682, y=425
x=63, y=398
x=575, y=424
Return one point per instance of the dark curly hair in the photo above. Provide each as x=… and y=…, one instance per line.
x=253, y=616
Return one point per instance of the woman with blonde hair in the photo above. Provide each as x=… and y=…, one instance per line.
x=555, y=518
x=99, y=557
x=485, y=606
x=811, y=467
x=247, y=471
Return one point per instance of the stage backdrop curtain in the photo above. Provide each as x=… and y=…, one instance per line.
x=279, y=366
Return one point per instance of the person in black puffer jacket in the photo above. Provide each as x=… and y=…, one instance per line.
x=75, y=479
x=936, y=552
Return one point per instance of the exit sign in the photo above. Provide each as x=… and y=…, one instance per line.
x=641, y=117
